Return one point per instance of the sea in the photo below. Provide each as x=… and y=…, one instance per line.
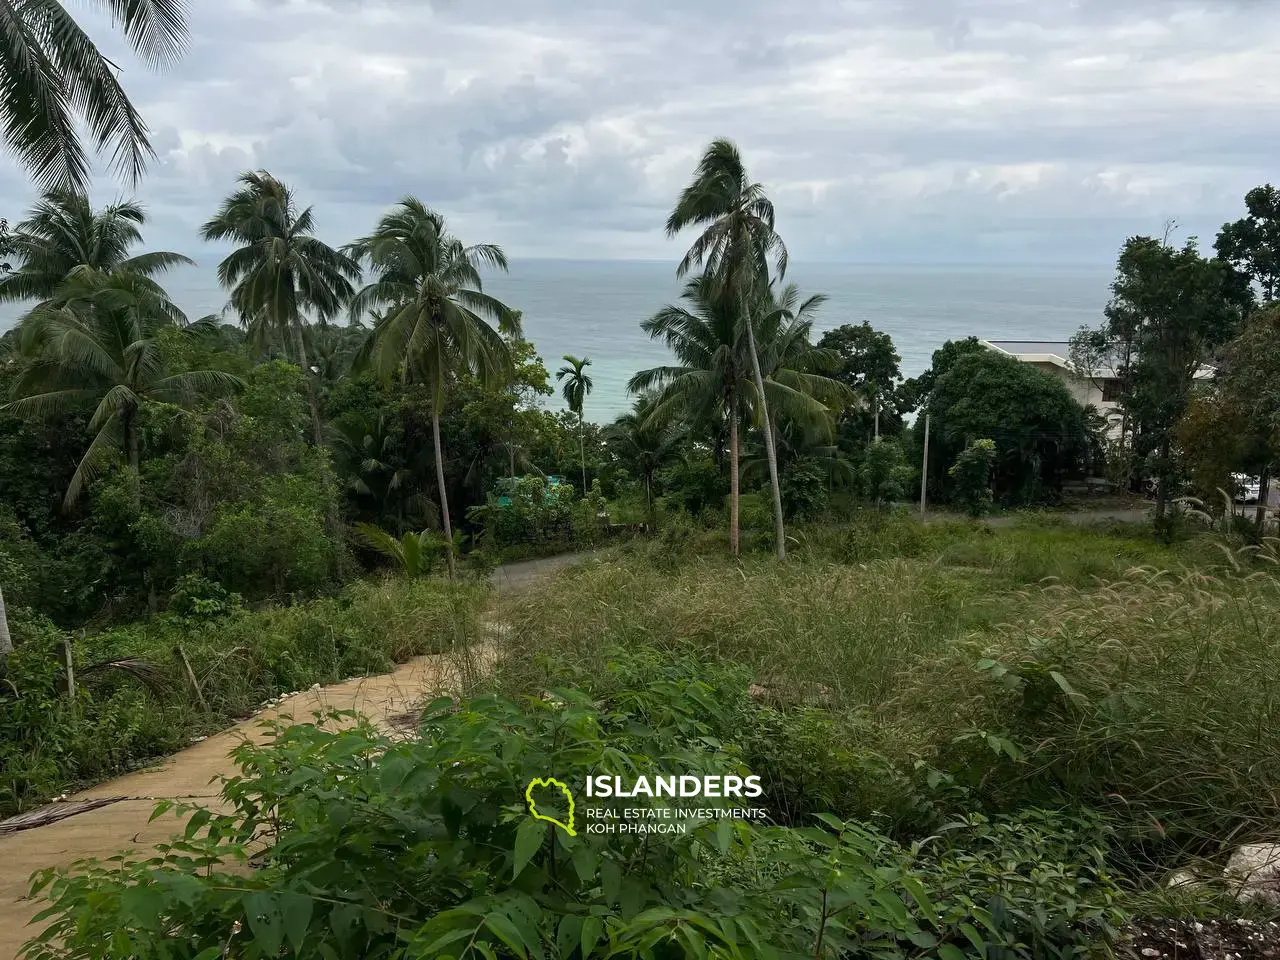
x=594, y=308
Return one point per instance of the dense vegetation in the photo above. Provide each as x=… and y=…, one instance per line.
x=199, y=513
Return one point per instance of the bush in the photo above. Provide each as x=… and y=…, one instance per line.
x=972, y=475
x=132, y=702
x=377, y=846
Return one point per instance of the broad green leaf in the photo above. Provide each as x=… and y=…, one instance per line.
x=529, y=837
x=296, y=910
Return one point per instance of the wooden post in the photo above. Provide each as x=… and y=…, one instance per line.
x=924, y=467
x=69, y=660
x=190, y=674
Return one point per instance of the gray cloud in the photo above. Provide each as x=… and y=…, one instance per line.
x=927, y=131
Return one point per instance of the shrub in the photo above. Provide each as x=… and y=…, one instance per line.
x=972, y=475
x=132, y=703
x=425, y=849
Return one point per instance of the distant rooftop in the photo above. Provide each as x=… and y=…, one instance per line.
x=1057, y=348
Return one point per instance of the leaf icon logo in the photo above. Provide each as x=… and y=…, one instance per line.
x=552, y=783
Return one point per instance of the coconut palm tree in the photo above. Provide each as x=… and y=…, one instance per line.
x=281, y=270
x=797, y=384
x=435, y=314
x=643, y=445
x=736, y=248
x=54, y=79
x=577, y=387
x=711, y=376
x=62, y=231
x=95, y=342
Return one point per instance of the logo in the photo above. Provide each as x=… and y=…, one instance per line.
x=552, y=783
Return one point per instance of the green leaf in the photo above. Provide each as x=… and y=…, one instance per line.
x=265, y=922
x=1064, y=685
x=198, y=820
x=949, y=951
x=529, y=837
x=501, y=926
x=610, y=880
x=592, y=928
x=724, y=834
x=296, y=909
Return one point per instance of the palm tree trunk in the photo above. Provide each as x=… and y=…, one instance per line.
x=6, y=642
x=313, y=399
x=130, y=424
x=582, y=450
x=1264, y=494
x=771, y=452
x=733, y=478
x=445, y=522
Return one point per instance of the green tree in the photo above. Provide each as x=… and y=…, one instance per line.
x=736, y=248
x=55, y=79
x=643, y=445
x=434, y=322
x=280, y=271
x=96, y=342
x=869, y=366
x=709, y=378
x=1252, y=243
x=577, y=387
x=1175, y=307
x=972, y=475
x=1037, y=426
x=62, y=232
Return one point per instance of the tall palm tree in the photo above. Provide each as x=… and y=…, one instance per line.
x=62, y=231
x=96, y=342
x=577, y=387
x=711, y=376
x=435, y=313
x=642, y=444
x=52, y=75
x=281, y=270
x=736, y=248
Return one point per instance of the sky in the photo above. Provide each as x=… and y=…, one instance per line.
x=886, y=131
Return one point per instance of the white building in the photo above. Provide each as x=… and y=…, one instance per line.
x=1099, y=388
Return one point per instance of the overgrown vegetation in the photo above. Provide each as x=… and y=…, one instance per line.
x=133, y=700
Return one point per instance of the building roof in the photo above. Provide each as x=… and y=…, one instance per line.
x=1058, y=352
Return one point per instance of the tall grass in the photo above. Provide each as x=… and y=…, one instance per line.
x=989, y=669
x=141, y=708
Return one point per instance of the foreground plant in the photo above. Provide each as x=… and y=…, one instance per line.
x=367, y=847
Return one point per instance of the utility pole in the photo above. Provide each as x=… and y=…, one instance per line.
x=877, y=416
x=924, y=467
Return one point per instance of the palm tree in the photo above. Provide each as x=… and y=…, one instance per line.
x=797, y=385
x=435, y=312
x=710, y=377
x=367, y=456
x=577, y=387
x=62, y=231
x=735, y=249
x=281, y=270
x=54, y=76
x=414, y=553
x=642, y=444
x=96, y=342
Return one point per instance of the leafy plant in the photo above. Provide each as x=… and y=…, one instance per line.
x=972, y=475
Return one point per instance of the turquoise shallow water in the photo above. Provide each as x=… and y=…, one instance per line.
x=595, y=308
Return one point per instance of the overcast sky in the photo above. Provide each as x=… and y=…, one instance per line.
x=909, y=131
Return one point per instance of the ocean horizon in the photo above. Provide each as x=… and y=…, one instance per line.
x=594, y=308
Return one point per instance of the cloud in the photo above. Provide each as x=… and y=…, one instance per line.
x=943, y=130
